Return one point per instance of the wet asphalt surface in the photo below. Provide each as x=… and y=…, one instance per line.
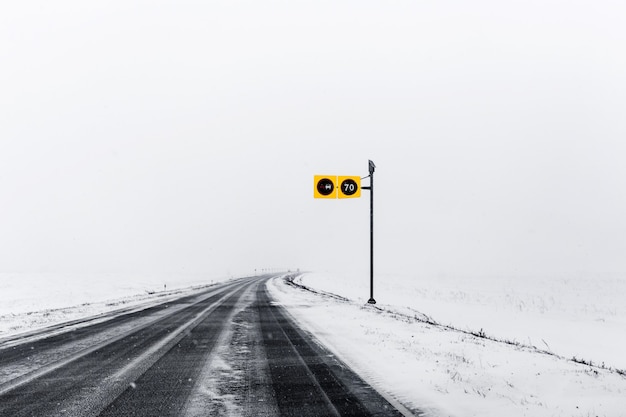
x=226, y=352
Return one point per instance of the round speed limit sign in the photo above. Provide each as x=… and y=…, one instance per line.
x=349, y=187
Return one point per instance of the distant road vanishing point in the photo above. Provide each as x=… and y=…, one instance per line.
x=227, y=351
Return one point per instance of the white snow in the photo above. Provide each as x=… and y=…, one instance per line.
x=32, y=301
x=442, y=371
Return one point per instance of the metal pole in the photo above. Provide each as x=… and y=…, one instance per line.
x=371, y=169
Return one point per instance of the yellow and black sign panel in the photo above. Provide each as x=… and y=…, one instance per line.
x=349, y=186
x=325, y=186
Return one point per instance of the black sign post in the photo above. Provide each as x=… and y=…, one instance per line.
x=372, y=168
x=329, y=187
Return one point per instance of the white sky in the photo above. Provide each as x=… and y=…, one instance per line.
x=180, y=136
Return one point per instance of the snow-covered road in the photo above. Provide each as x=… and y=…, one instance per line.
x=228, y=351
x=399, y=347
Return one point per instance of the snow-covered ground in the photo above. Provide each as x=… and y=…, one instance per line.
x=32, y=301
x=522, y=367
x=416, y=344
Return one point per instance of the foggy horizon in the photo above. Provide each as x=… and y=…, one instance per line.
x=183, y=137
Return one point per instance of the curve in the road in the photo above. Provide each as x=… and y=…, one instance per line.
x=166, y=366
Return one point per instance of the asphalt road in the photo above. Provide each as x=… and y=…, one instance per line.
x=228, y=351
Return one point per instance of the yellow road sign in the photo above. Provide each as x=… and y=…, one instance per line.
x=349, y=186
x=325, y=186
x=332, y=186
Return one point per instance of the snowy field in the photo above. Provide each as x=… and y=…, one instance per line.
x=522, y=363
x=31, y=301
x=471, y=347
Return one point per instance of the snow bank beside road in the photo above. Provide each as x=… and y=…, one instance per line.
x=32, y=301
x=444, y=372
x=576, y=317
